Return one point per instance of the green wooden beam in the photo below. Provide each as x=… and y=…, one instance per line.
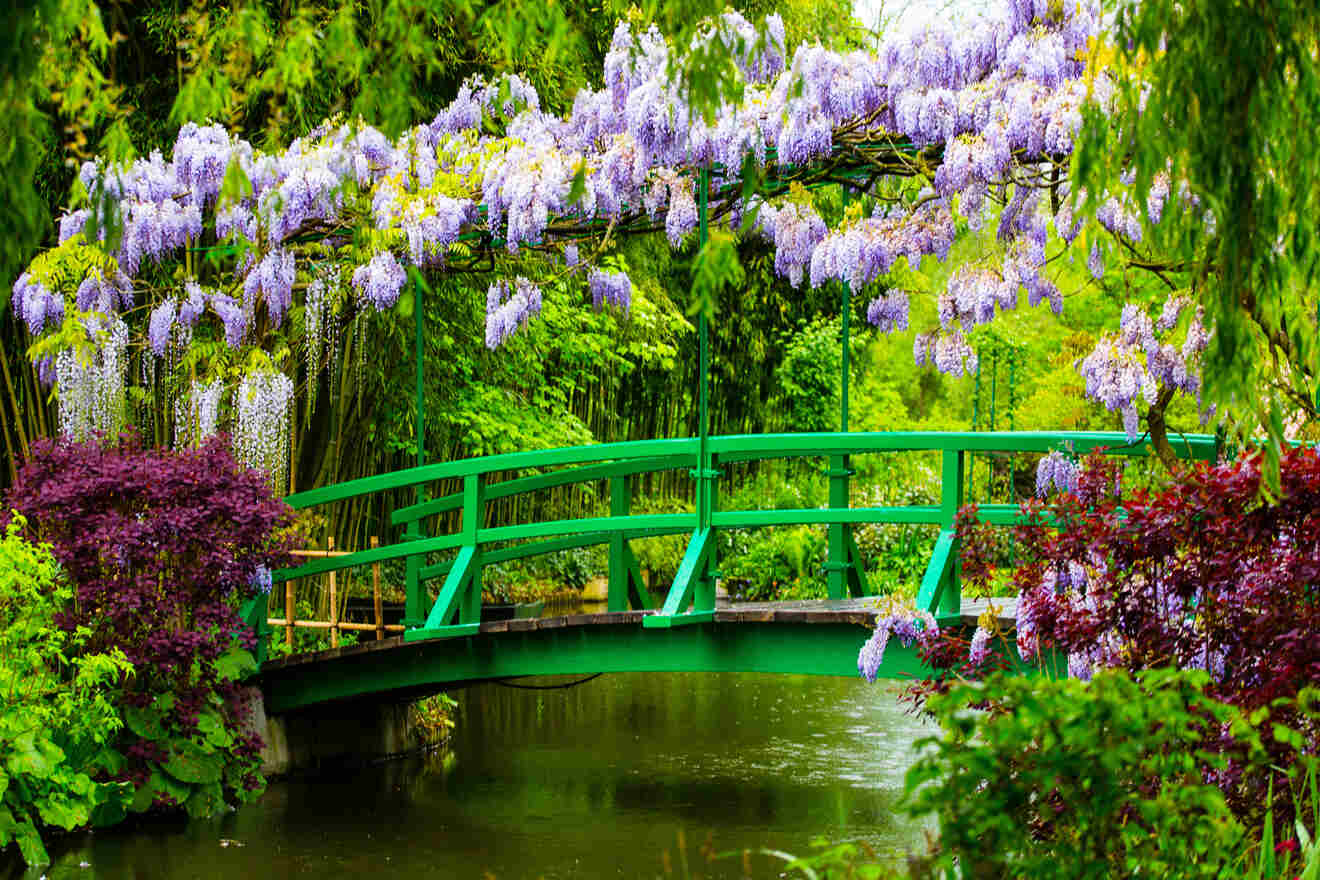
x=413, y=669
x=682, y=593
x=254, y=614
x=538, y=482
x=755, y=446
x=510, y=461
x=637, y=592
x=745, y=519
x=552, y=528
x=745, y=447
x=323, y=564
x=451, y=594
x=620, y=504
x=934, y=593
x=555, y=545
x=858, y=584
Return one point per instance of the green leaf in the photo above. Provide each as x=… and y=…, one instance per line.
x=145, y=722
x=57, y=808
x=8, y=826
x=189, y=762
x=205, y=801
x=235, y=664
x=211, y=724
x=110, y=812
x=38, y=759
x=236, y=186
x=30, y=845
x=578, y=188
x=159, y=784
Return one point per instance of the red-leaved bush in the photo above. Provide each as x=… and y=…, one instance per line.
x=161, y=547
x=1203, y=573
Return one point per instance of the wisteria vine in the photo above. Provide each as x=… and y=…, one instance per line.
x=335, y=223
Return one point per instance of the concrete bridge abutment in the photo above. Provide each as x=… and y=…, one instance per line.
x=341, y=734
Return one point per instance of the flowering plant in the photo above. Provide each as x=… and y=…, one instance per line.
x=160, y=548
x=1204, y=573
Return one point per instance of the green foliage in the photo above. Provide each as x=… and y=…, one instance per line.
x=434, y=716
x=543, y=577
x=775, y=563
x=1220, y=107
x=716, y=267
x=192, y=772
x=896, y=555
x=660, y=556
x=808, y=378
x=57, y=718
x=1074, y=780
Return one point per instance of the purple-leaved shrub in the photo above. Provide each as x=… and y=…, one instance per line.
x=161, y=547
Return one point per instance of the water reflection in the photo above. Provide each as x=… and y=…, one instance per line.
x=614, y=778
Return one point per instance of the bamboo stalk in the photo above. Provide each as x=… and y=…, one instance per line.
x=288, y=612
x=334, y=598
x=325, y=624
x=375, y=593
x=18, y=412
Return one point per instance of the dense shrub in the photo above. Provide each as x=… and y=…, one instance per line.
x=1205, y=573
x=160, y=547
x=1065, y=779
x=1062, y=780
x=56, y=715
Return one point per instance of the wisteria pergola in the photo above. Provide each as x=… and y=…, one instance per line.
x=927, y=129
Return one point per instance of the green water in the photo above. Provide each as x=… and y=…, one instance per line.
x=616, y=778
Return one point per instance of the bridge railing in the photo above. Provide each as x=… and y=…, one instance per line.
x=691, y=598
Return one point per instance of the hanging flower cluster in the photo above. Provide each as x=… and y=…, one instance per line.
x=980, y=111
x=908, y=624
x=261, y=429
x=1142, y=358
x=90, y=380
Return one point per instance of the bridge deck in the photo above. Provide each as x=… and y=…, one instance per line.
x=859, y=612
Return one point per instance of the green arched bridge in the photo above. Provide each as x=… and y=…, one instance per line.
x=445, y=643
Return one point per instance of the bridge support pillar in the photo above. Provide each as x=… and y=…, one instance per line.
x=336, y=735
x=844, y=567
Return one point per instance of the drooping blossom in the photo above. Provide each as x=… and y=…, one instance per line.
x=614, y=288
x=380, y=281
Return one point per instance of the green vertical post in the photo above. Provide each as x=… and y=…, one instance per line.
x=994, y=392
x=704, y=590
x=474, y=512
x=951, y=498
x=420, y=371
x=415, y=605
x=620, y=502
x=838, y=556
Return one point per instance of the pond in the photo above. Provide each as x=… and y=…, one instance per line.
x=626, y=775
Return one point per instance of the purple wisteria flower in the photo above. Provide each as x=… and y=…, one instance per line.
x=908, y=625
x=889, y=312
x=233, y=316
x=980, y=648
x=614, y=288
x=73, y=223
x=380, y=281
x=1056, y=471
x=796, y=231
x=160, y=326
x=271, y=281
x=508, y=310
x=36, y=305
